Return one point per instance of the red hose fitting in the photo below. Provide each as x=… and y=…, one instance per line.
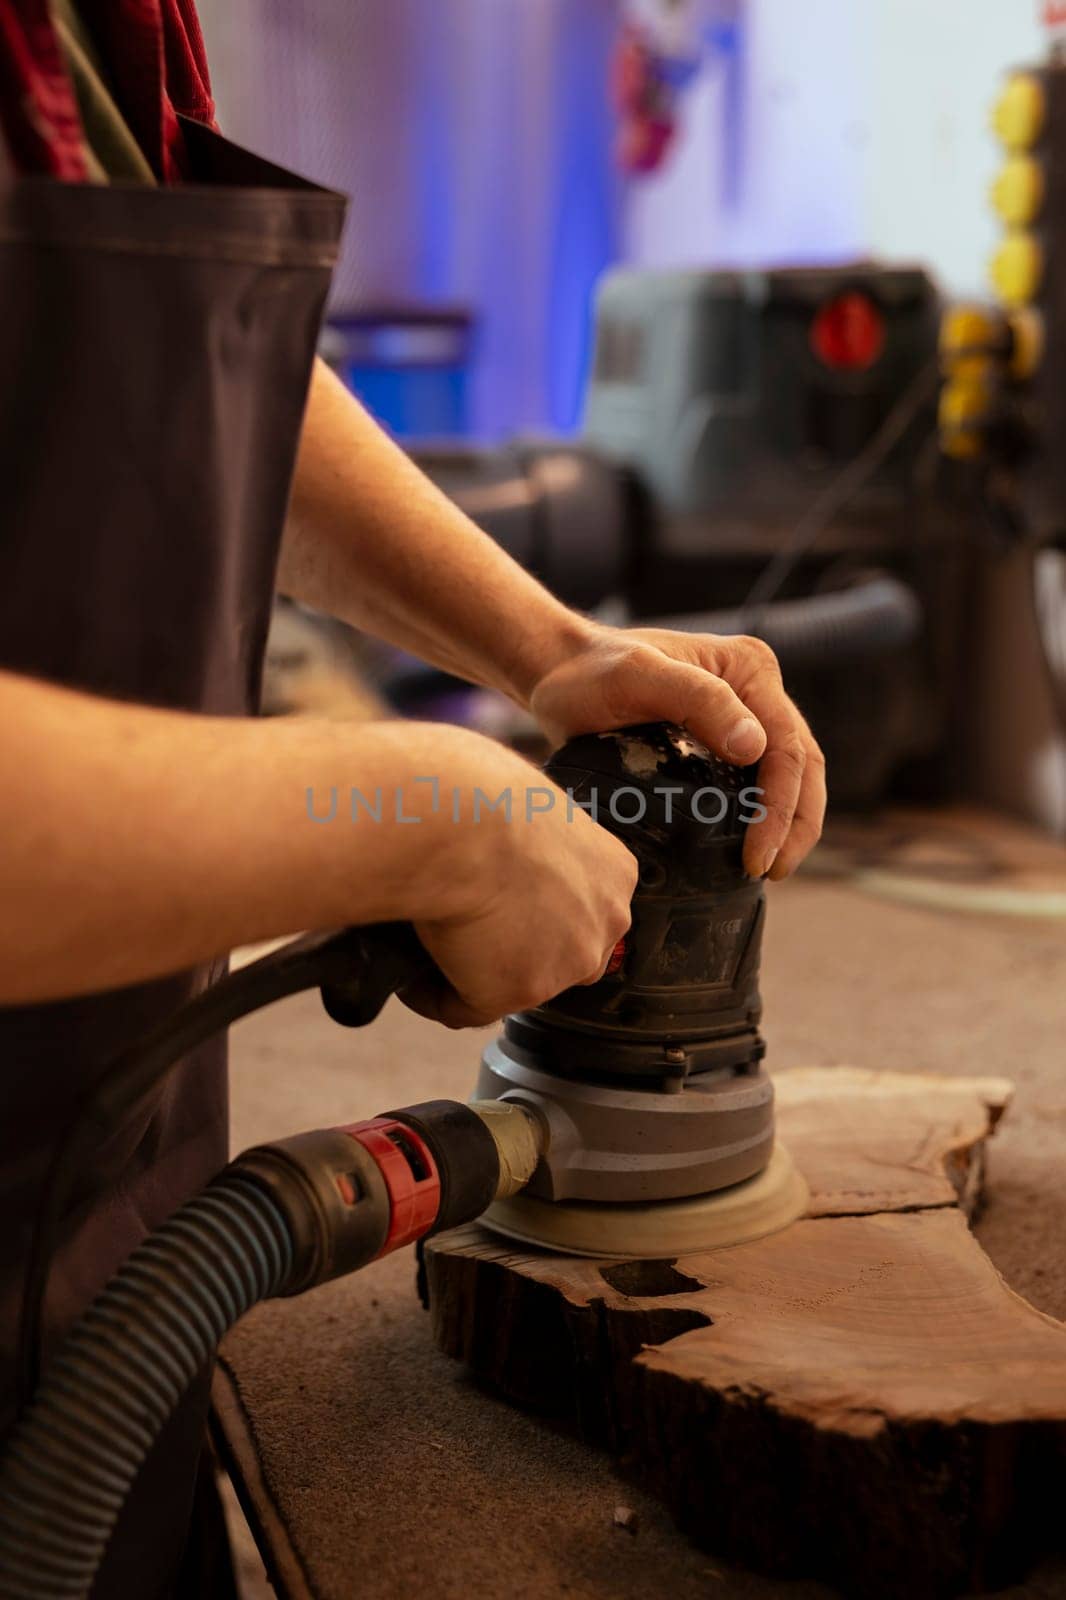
x=411, y=1177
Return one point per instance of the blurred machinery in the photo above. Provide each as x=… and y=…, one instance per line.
x=408, y=364
x=758, y=455
x=1002, y=408
x=1003, y=403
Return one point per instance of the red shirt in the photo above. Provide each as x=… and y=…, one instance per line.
x=154, y=51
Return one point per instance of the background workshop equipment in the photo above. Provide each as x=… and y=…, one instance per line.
x=802, y=372
x=764, y=439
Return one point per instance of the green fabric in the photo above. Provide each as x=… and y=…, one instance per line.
x=111, y=151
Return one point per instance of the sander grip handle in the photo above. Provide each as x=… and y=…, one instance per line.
x=362, y=967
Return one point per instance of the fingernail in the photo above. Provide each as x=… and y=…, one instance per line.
x=768, y=862
x=744, y=742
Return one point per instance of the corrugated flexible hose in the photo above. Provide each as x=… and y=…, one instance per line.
x=72, y=1459
x=872, y=617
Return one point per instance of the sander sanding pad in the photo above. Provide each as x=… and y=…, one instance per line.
x=760, y=1205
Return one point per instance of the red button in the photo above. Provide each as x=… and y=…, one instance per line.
x=410, y=1173
x=848, y=332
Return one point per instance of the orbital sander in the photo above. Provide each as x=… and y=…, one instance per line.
x=654, y=1110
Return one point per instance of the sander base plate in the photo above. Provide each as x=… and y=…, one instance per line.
x=636, y=1231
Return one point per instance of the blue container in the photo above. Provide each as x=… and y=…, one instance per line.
x=409, y=365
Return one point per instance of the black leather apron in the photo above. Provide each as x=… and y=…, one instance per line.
x=155, y=350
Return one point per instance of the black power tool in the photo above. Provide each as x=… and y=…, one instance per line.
x=655, y=1107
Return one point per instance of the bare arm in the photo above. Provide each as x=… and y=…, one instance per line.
x=136, y=842
x=371, y=540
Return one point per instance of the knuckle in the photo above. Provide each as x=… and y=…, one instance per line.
x=779, y=814
x=616, y=701
x=806, y=831
x=759, y=653
x=793, y=752
x=526, y=997
x=619, y=864
x=714, y=694
x=630, y=673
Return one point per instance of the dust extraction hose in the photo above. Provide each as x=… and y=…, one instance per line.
x=282, y=1218
x=73, y=1458
x=877, y=614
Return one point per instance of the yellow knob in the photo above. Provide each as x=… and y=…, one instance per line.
x=969, y=332
x=1027, y=341
x=1016, y=268
x=1018, y=190
x=1018, y=114
x=962, y=413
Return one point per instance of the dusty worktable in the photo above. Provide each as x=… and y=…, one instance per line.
x=373, y=1465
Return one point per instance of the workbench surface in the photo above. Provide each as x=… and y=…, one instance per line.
x=373, y=1467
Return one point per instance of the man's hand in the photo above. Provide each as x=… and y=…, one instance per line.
x=366, y=526
x=544, y=894
x=727, y=692
x=136, y=842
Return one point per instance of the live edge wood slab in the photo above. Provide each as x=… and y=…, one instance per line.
x=859, y=1398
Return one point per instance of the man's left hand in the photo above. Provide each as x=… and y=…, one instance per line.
x=727, y=692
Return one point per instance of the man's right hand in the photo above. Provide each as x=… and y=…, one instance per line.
x=545, y=892
x=136, y=842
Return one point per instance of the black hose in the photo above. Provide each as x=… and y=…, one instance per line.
x=871, y=618
x=875, y=615
x=72, y=1459
x=357, y=970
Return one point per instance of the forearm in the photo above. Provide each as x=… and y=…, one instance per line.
x=371, y=540
x=135, y=842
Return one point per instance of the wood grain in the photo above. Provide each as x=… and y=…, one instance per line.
x=858, y=1398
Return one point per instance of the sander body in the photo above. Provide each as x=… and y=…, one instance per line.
x=656, y=1111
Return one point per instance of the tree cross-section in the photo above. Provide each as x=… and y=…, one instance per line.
x=859, y=1398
